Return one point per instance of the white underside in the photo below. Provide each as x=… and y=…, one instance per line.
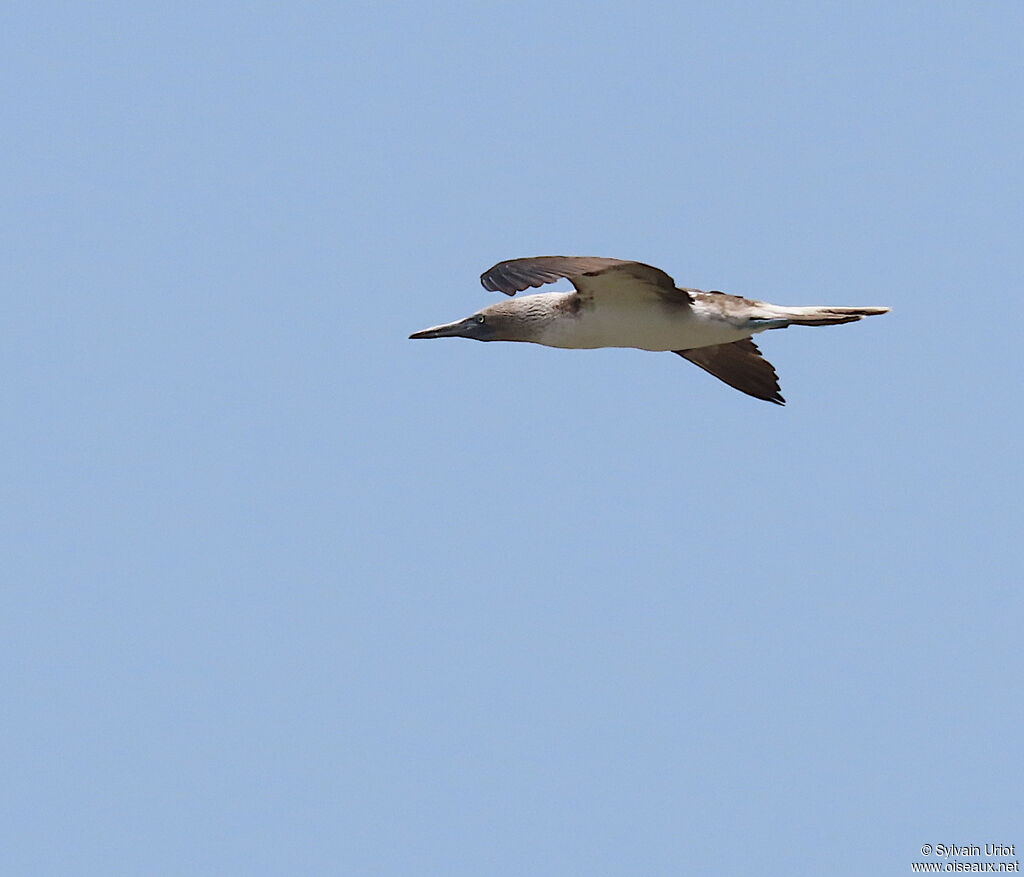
x=650, y=326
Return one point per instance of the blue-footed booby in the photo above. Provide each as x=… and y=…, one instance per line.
x=619, y=303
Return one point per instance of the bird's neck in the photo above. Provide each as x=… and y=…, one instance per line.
x=545, y=316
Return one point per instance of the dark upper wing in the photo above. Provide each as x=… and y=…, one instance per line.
x=630, y=280
x=740, y=365
x=515, y=275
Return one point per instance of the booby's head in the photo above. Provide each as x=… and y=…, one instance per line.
x=516, y=320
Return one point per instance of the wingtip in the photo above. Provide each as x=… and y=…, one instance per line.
x=490, y=285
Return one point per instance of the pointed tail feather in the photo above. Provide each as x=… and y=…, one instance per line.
x=820, y=316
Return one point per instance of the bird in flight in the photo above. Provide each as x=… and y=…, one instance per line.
x=619, y=303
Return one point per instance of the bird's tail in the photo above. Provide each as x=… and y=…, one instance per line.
x=818, y=316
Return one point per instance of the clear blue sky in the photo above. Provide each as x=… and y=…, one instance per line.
x=286, y=593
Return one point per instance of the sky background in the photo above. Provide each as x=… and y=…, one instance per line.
x=286, y=593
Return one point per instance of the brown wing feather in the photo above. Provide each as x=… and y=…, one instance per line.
x=515, y=275
x=740, y=365
x=630, y=279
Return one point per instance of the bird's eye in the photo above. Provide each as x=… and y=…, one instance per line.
x=479, y=318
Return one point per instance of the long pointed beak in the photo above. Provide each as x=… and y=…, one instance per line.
x=458, y=329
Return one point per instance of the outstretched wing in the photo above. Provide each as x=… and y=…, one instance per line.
x=590, y=275
x=515, y=275
x=740, y=365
